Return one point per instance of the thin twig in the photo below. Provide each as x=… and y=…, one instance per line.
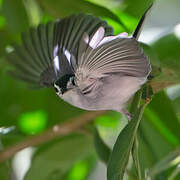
x=68, y=127
x=136, y=158
x=134, y=107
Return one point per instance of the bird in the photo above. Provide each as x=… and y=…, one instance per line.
x=79, y=56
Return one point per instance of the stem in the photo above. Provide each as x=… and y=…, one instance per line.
x=58, y=130
x=135, y=148
x=135, y=107
x=136, y=157
x=136, y=101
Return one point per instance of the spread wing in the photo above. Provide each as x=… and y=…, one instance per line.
x=99, y=56
x=49, y=51
x=117, y=55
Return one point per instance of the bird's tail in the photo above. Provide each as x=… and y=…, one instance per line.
x=138, y=29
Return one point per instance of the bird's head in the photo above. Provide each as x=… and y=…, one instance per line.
x=64, y=84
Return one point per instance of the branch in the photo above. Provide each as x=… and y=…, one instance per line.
x=68, y=127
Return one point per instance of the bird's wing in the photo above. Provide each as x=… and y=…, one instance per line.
x=120, y=55
x=99, y=55
x=49, y=47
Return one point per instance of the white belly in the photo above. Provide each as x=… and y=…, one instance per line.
x=113, y=95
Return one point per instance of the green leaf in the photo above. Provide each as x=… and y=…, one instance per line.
x=153, y=146
x=81, y=169
x=146, y=155
x=122, y=148
x=136, y=10
x=102, y=149
x=135, y=156
x=167, y=49
x=176, y=105
x=67, y=7
x=33, y=122
x=109, y=126
x=33, y=11
x=15, y=15
x=11, y=137
x=4, y=167
x=172, y=159
x=162, y=115
x=158, y=133
x=109, y=120
x=1, y=3
x=175, y=175
x=129, y=21
x=2, y=22
x=4, y=171
x=5, y=40
x=59, y=156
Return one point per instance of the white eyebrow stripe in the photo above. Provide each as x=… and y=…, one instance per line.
x=68, y=55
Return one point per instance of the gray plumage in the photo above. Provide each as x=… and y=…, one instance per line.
x=79, y=56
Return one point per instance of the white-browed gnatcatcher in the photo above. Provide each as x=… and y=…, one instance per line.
x=88, y=66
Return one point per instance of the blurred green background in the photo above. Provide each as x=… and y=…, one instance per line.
x=25, y=112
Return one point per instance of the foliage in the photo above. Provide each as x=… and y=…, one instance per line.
x=24, y=112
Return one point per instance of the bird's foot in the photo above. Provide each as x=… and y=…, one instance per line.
x=127, y=114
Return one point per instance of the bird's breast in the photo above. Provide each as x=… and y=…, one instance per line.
x=113, y=94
